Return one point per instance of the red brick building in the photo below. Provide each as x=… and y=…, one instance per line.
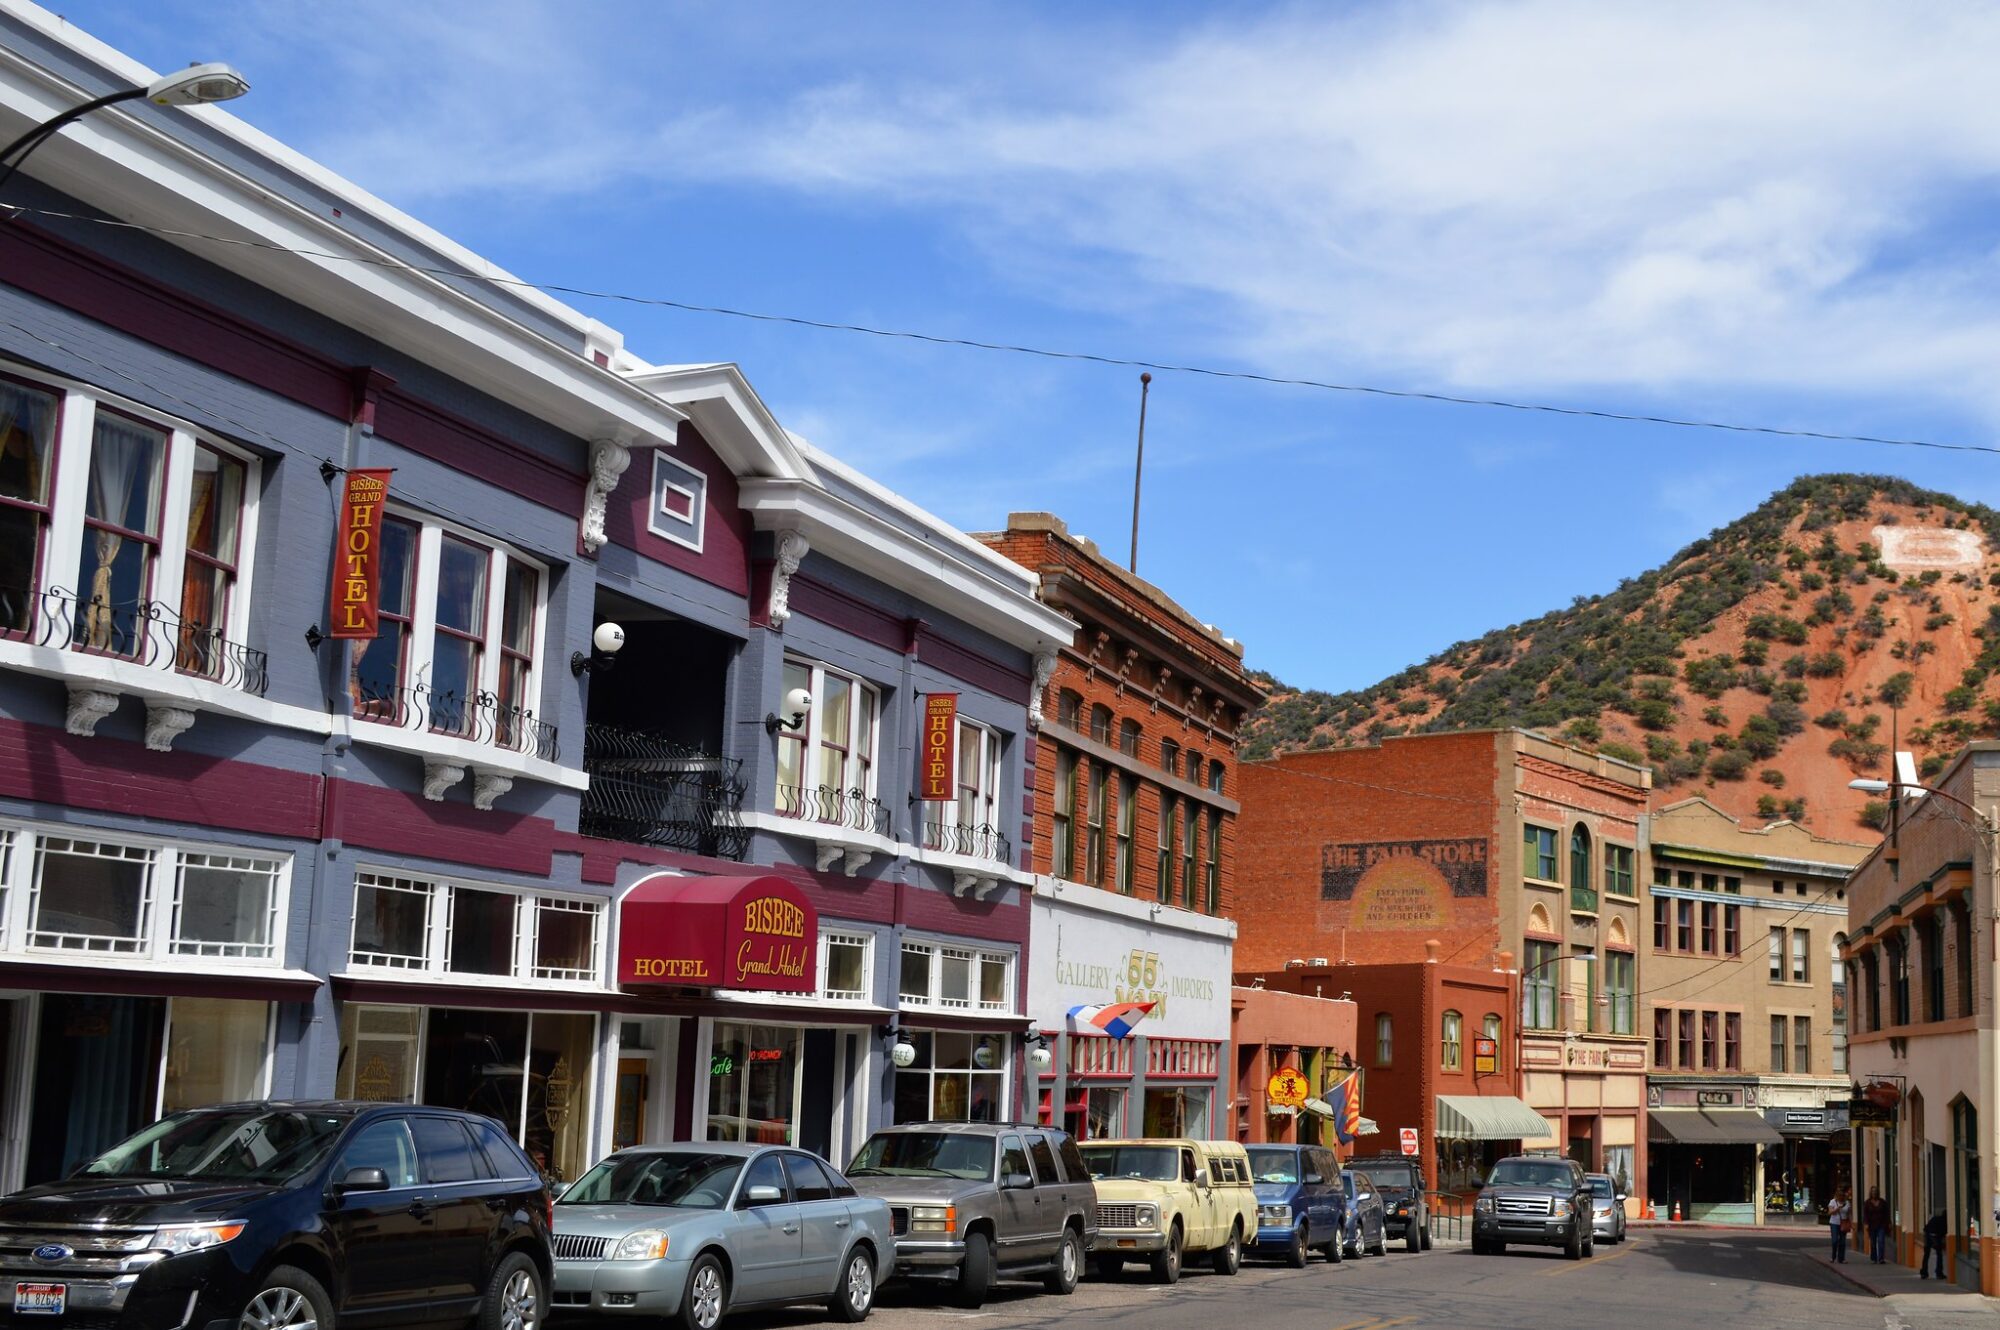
x=1486, y=843
x=1274, y=1028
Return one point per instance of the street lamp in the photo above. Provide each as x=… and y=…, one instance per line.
x=197, y=85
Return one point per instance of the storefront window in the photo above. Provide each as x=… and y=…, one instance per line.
x=954, y=1078
x=1105, y=1116
x=1618, y=1163
x=846, y=973
x=482, y=932
x=225, y=905
x=934, y=975
x=442, y=927
x=215, y=1052
x=91, y=896
x=753, y=1084
x=1177, y=1111
x=378, y=1054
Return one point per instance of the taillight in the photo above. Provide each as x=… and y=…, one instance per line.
x=549, y=1209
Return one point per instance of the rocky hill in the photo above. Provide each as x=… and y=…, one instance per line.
x=1764, y=666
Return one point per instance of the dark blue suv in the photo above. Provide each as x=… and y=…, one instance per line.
x=1300, y=1204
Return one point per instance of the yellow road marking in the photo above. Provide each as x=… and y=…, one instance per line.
x=1375, y=1323
x=1572, y=1267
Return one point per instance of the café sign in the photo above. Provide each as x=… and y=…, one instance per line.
x=757, y=933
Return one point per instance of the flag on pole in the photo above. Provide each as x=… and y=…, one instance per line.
x=1113, y=1018
x=1345, y=1100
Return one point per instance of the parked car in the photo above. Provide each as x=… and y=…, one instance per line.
x=1162, y=1200
x=692, y=1231
x=1300, y=1204
x=1607, y=1207
x=1541, y=1200
x=1399, y=1181
x=1367, y=1225
x=284, y=1215
x=975, y=1201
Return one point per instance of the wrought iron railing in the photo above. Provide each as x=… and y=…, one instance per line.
x=647, y=791
x=475, y=717
x=148, y=632
x=852, y=809
x=979, y=842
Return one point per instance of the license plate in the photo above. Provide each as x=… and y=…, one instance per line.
x=40, y=1299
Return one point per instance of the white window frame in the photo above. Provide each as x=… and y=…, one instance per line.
x=156, y=940
x=977, y=958
x=435, y=962
x=828, y=939
x=817, y=671
x=690, y=482
x=985, y=810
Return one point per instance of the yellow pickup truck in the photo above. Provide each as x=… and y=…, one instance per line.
x=1160, y=1201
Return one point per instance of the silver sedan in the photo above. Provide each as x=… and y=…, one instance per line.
x=691, y=1231
x=1607, y=1207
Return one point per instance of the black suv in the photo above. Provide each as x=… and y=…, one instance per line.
x=1400, y=1183
x=283, y=1216
x=1542, y=1200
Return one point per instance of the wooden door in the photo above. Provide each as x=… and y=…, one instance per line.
x=628, y=1116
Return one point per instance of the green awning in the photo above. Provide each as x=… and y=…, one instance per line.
x=1475, y=1117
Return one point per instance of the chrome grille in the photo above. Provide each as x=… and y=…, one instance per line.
x=1525, y=1205
x=578, y=1247
x=1118, y=1216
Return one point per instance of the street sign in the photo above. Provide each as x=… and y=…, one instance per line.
x=1409, y=1135
x=1288, y=1087
x=1485, y=1055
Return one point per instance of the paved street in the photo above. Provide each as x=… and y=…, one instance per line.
x=1696, y=1279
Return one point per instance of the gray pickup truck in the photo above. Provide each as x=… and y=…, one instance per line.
x=1540, y=1200
x=970, y=1202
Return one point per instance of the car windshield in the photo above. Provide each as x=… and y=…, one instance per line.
x=1151, y=1163
x=1530, y=1173
x=925, y=1154
x=691, y=1179
x=260, y=1146
x=1274, y=1165
x=1391, y=1175
x=1601, y=1187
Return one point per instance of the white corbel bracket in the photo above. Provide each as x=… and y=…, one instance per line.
x=87, y=706
x=979, y=884
x=440, y=776
x=608, y=460
x=164, y=724
x=852, y=860
x=792, y=551
x=1045, y=670
x=488, y=786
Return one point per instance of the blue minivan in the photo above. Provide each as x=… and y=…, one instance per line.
x=1300, y=1204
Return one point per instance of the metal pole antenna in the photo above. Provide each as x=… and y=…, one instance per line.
x=1139, y=469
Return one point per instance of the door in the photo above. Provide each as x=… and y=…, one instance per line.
x=628, y=1114
x=385, y=1235
x=764, y=1236
x=1203, y=1228
x=1018, y=1223
x=824, y=1225
x=1048, y=1199
x=97, y=1078
x=458, y=1190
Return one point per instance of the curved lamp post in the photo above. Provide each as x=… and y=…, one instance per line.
x=196, y=85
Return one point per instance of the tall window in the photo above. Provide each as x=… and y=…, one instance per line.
x=978, y=781
x=1169, y=809
x=1100, y=724
x=27, y=456
x=1663, y=1038
x=1069, y=709
x=1778, y=1044
x=1170, y=757
x=458, y=653
x=1618, y=970
x=1190, y=853
x=209, y=573
x=1128, y=737
x=1538, y=853
x=828, y=764
x=1962, y=916
x=1451, y=1041
x=1899, y=980
x=1490, y=1027
x=1709, y=1034
x=1802, y=1044
x=1934, y=1009
x=517, y=652
x=1801, y=965
x=1538, y=985
x=1128, y=818
x=1686, y=1021
x=121, y=532
x=380, y=667
x=1732, y=1040
x=1618, y=870
x=1062, y=845
x=1684, y=925
x=1663, y=926
x=1708, y=937
x=1385, y=1039
x=1215, y=777
x=1732, y=930
x=1093, y=833
x=1214, y=867
x=1777, y=955
x=1582, y=890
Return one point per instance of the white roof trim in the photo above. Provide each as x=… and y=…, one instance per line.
x=730, y=415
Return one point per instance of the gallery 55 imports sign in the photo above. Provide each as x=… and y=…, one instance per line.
x=1079, y=956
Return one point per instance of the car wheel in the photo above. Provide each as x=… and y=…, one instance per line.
x=1296, y=1254
x=1479, y=1246
x=1381, y=1247
x=855, y=1296
x=1167, y=1261
x=1573, y=1248
x=706, y=1296
x=1109, y=1267
x=1336, y=1252
x=1228, y=1259
x=1069, y=1265
x=1589, y=1245
x=975, y=1273
x=514, y=1299
x=1427, y=1237
x=1413, y=1236
x=289, y=1299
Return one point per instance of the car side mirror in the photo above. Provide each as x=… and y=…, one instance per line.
x=1201, y=1177
x=1314, y=1179
x=363, y=1179
x=764, y=1195
x=1017, y=1182
x=1366, y=1195
x=1477, y=1184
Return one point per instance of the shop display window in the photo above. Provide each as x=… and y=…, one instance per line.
x=954, y=1078
x=457, y=929
x=753, y=1084
x=482, y=931
x=844, y=975
x=955, y=978
x=1178, y=1111
x=226, y=905
x=215, y=1052
x=378, y=1054
x=566, y=939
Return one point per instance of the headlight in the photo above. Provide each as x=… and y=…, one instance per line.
x=1560, y=1209
x=1484, y=1205
x=181, y=1238
x=1146, y=1216
x=1276, y=1215
x=933, y=1219
x=648, y=1244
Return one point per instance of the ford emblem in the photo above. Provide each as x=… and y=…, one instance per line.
x=52, y=1253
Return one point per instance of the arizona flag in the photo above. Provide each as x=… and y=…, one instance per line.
x=1345, y=1100
x=1114, y=1018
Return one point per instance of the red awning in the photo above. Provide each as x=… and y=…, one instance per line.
x=758, y=933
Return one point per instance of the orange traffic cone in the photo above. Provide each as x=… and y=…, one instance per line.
x=1674, y=1212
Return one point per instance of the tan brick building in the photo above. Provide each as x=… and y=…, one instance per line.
x=1745, y=999
x=1485, y=842
x=1132, y=820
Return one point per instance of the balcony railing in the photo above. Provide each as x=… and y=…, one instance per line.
x=978, y=842
x=477, y=718
x=148, y=633
x=647, y=791
x=850, y=809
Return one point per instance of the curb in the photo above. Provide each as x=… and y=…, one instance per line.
x=1854, y=1279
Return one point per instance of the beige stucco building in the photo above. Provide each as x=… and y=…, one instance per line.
x=1745, y=1004
x=1920, y=929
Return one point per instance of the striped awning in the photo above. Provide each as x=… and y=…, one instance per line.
x=1470, y=1117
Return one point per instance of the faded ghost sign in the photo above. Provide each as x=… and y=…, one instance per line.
x=1403, y=884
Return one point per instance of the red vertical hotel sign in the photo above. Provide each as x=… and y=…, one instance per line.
x=357, y=564
x=940, y=733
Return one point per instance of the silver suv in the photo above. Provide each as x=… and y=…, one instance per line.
x=970, y=1202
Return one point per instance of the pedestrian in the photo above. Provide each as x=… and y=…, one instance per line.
x=1933, y=1242
x=1838, y=1221
x=1875, y=1218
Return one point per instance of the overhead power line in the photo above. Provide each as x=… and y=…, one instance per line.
x=1042, y=352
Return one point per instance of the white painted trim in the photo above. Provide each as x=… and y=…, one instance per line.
x=730, y=415
x=828, y=833
x=697, y=496
x=998, y=869
x=1135, y=909
x=123, y=965
x=129, y=679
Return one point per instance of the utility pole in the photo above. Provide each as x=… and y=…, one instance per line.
x=1139, y=469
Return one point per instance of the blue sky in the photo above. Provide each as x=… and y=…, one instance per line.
x=1782, y=215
